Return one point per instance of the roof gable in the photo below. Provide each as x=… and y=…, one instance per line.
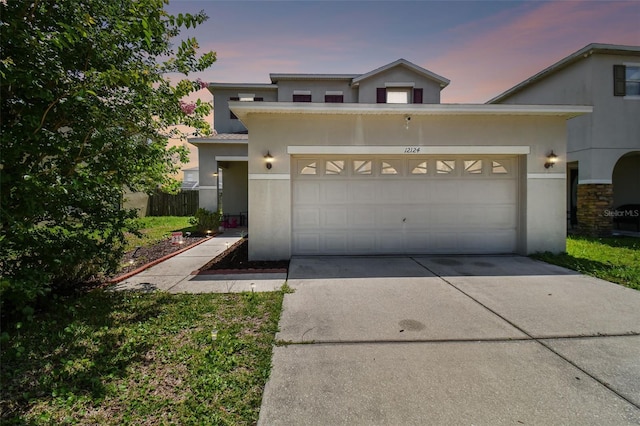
x=585, y=52
x=403, y=63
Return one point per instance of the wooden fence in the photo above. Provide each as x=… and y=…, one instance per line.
x=184, y=203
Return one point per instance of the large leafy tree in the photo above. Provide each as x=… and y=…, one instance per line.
x=86, y=112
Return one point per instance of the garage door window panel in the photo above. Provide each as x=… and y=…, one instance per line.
x=472, y=167
x=362, y=167
x=391, y=167
x=418, y=167
x=500, y=167
x=334, y=168
x=307, y=167
x=445, y=167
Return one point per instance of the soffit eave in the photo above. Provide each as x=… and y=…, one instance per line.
x=243, y=109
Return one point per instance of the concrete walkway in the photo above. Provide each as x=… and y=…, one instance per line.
x=485, y=340
x=174, y=275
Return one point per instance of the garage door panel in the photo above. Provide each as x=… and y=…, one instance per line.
x=445, y=192
x=335, y=218
x=306, y=218
x=306, y=243
x=335, y=243
x=362, y=191
x=335, y=192
x=388, y=217
x=390, y=191
x=444, y=216
x=390, y=242
x=362, y=217
x=376, y=213
x=501, y=216
x=306, y=192
x=362, y=242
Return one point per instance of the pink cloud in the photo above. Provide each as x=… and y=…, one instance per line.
x=519, y=46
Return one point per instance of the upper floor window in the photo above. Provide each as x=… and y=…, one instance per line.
x=626, y=80
x=302, y=96
x=243, y=97
x=334, y=97
x=398, y=95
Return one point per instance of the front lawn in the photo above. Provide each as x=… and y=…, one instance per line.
x=140, y=358
x=155, y=229
x=615, y=259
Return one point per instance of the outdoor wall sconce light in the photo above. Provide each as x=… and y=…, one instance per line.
x=552, y=159
x=269, y=160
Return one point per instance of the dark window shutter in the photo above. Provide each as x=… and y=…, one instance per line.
x=417, y=96
x=301, y=98
x=258, y=99
x=619, y=80
x=381, y=95
x=231, y=114
x=334, y=99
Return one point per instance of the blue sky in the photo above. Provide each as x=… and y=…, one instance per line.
x=483, y=47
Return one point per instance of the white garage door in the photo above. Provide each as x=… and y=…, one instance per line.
x=410, y=205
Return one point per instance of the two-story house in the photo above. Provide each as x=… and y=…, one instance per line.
x=603, y=148
x=335, y=164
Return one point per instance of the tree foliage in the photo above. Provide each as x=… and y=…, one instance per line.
x=87, y=109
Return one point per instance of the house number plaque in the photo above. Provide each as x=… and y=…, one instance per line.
x=412, y=150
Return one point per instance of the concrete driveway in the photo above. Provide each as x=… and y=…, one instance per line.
x=484, y=340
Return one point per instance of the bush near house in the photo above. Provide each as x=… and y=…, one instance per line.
x=612, y=259
x=86, y=105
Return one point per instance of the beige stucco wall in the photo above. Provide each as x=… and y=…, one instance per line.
x=318, y=89
x=543, y=221
x=367, y=88
x=596, y=141
x=221, y=118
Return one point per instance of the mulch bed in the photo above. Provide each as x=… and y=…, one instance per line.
x=232, y=261
x=236, y=260
x=139, y=257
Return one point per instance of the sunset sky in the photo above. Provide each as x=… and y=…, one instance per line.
x=483, y=47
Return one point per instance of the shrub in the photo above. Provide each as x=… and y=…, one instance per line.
x=205, y=220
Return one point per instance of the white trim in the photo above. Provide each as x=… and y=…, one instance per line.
x=241, y=109
x=594, y=181
x=269, y=176
x=333, y=92
x=408, y=150
x=231, y=158
x=400, y=84
x=631, y=98
x=546, y=176
x=302, y=92
x=208, y=187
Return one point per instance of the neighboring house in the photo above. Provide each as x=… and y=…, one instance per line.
x=603, y=148
x=374, y=164
x=190, y=178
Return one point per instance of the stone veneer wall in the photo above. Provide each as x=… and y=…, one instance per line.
x=594, y=200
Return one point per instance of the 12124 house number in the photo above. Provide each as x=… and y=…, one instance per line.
x=412, y=150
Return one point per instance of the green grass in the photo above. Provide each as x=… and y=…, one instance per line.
x=140, y=358
x=612, y=259
x=155, y=229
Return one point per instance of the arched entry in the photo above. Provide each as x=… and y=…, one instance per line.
x=626, y=180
